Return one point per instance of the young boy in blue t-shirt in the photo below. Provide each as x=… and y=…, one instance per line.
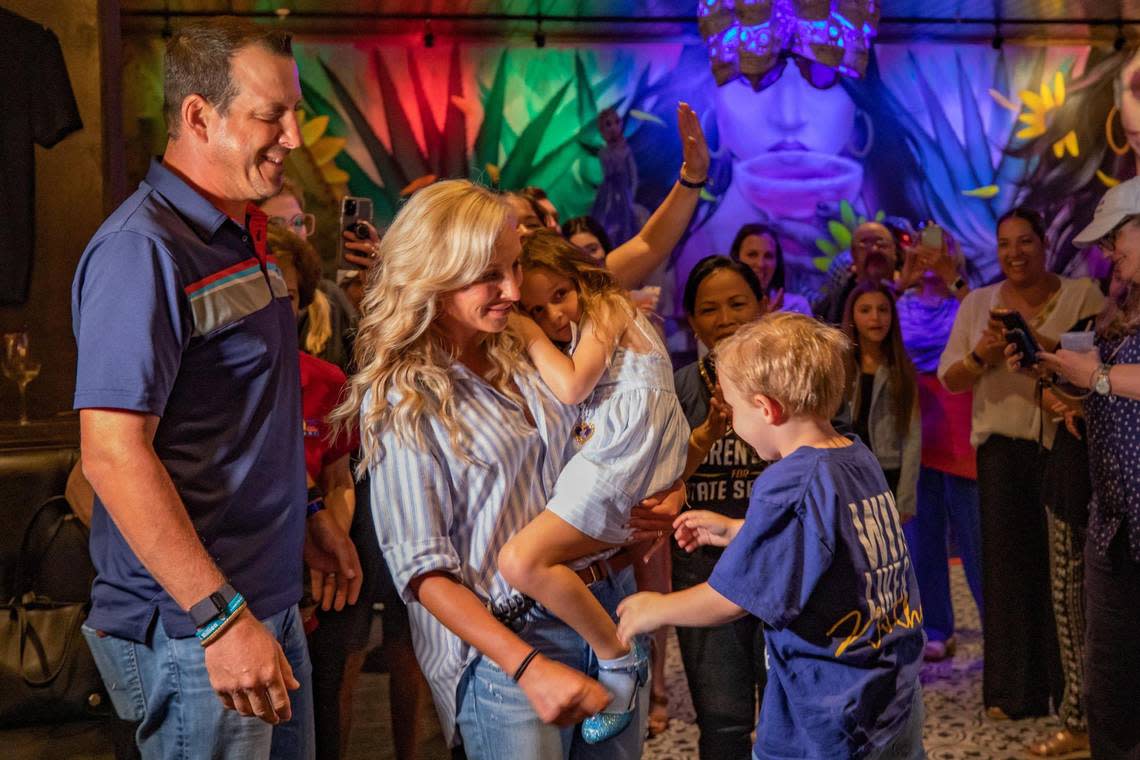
x=819, y=557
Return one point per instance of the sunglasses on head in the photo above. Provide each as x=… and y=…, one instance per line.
x=818, y=75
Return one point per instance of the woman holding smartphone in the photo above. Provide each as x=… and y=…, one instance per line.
x=1012, y=436
x=1110, y=374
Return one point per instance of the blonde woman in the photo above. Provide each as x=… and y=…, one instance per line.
x=464, y=442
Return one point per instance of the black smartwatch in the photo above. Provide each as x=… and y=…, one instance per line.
x=213, y=605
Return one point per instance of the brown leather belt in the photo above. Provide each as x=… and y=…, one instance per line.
x=603, y=568
x=512, y=610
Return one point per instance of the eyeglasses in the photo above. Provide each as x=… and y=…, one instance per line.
x=872, y=244
x=1108, y=242
x=818, y=75
x=298, y=224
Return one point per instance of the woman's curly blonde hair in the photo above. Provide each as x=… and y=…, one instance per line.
x=441, y=241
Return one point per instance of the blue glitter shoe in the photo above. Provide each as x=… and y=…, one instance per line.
x=606, y=725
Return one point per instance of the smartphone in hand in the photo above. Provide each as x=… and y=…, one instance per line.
x=1018, y=333
x=932, y=236
x=353, y=210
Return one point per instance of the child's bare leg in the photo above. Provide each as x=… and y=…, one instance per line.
x=532, y=562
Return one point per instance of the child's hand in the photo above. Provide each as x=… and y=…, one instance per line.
x=638, y=614
x=523, y=326
x=700, y=527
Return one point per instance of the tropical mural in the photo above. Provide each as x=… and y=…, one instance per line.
x=957, y=134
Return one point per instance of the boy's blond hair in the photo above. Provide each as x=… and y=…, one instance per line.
x=795, y=360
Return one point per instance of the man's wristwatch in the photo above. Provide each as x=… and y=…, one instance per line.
x=1100, y=382
x=213, y=605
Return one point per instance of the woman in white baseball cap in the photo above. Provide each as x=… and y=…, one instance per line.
x=1111, y=405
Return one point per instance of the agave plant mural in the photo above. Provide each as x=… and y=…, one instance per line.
x=963, y=182
x=554, y=149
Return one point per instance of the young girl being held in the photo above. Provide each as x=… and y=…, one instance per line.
x=883, y=390
x=630, y=441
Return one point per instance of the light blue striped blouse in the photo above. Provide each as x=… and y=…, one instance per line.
x=433, y=511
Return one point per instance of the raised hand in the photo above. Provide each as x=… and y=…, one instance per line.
x=695, y=150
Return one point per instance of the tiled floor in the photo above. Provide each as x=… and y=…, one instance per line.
x=955, y=726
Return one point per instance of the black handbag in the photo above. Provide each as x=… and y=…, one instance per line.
x=47, y=673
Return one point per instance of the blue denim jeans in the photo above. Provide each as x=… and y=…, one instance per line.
x=163, y=686
x=497, y=721
x=945, y=502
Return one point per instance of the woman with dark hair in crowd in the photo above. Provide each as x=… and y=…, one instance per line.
x=758, y=246
x=1111, y=375
x=882, y=390
x=528, y=214
x=586, y=233
x=1011, y=434
x=541, y=200
x=934, y=284
x=724, y=664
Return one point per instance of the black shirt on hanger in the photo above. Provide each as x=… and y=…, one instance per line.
x=38, y=108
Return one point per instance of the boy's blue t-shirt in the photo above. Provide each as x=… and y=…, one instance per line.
x=821, y=559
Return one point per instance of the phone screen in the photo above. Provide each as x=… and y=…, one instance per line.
x=932, y=236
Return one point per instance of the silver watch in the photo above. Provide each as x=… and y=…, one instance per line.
x=1100, y=380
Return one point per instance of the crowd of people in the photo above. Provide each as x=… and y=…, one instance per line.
x=480, y=427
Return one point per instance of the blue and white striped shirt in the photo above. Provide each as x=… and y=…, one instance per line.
x=433, y=511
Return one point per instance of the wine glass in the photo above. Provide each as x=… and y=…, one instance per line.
x=19, y=367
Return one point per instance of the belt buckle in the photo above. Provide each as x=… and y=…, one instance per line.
x=595, y=573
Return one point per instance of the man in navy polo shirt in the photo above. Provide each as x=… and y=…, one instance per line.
x=190, y=420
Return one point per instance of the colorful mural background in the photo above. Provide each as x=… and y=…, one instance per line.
x=953, y=133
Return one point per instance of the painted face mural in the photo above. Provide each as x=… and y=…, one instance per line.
x=786, y=142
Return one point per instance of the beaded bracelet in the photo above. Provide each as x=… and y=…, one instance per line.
x=210, y=631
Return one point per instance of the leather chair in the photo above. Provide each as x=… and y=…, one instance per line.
x=28, y=478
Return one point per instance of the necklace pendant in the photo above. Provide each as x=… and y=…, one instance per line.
x=582, y=431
